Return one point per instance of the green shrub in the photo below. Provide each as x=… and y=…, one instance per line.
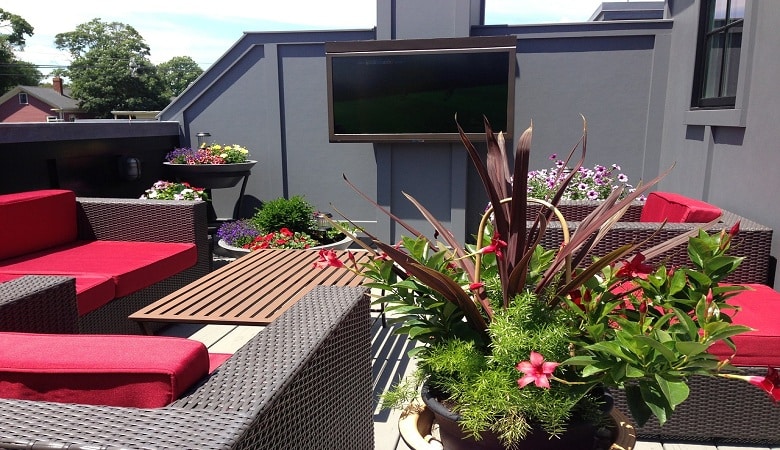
x=295, y=214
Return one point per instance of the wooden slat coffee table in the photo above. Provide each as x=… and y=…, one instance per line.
x=252, y=290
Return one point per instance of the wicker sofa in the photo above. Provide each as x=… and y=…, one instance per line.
x=304, y=382
x=117, y=220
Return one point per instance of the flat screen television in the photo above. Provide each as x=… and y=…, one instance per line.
x=411, y=90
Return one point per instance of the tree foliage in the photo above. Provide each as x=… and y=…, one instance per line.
x=111, y=69
x=177, y=73
x=13, y=72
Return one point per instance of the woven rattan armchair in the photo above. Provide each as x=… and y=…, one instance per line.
x=304, y=382
x=123, y=219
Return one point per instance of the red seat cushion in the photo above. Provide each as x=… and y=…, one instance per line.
x=36, y=220
x=113, y=370
x=216, y=360
x=131, y=265
x=676, y=208
x=760, y=347
x=92, y=291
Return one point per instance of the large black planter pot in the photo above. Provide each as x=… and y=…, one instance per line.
x=578, y=436
x=210, y=176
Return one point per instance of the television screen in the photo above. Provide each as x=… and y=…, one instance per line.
x=412, y=90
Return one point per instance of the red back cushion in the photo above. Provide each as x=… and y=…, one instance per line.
x=676, y=208
x=114, y=370
x=760, y=347
x=36, y=220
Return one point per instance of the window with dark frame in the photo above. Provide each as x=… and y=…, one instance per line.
x=22, y=98
x=718, y=55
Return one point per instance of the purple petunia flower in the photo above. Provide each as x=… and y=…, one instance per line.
x=622, y=178
x=238, y=232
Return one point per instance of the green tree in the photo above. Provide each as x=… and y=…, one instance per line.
x=111, y=69
x=177, y=73
x=14, y=72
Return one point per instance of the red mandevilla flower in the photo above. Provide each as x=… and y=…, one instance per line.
x=496, y=244
x=328, y=258
x=537, y=371
x=769, y=383
x=577, y=298
x=634, y=267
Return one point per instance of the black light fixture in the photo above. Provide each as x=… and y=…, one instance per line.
x=202, y=137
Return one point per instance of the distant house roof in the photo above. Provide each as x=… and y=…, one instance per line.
x=47, y=95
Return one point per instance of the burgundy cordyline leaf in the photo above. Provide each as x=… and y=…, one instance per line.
x=520, y=273
x=680, y=239
x=391, y=215
x=465, y=263
x=567, y=180
x=599, y=218
x=517, y=224
x=495, y=192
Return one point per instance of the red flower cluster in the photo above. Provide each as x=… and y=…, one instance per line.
x=283, y=238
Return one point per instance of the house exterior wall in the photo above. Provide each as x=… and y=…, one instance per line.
x=730, y=157
x=34, y=111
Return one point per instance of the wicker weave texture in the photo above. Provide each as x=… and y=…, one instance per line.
x=304, y=382
x=718, y=411
x=576, y=210
x=39, y=304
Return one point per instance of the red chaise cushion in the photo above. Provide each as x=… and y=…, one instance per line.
x=113, y=370
x=676, y=208
x=760, y=347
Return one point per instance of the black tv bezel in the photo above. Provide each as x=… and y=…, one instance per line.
x=506, y=44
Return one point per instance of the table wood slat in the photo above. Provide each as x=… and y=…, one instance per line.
x=252, y=290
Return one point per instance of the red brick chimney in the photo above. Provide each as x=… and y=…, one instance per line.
x=57, y=85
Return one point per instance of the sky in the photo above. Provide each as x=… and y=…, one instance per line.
x=205, y=30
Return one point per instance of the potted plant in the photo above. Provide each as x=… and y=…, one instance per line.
x=520, y=342
x=212, y=166
x=290, y=223
x=171, y=190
